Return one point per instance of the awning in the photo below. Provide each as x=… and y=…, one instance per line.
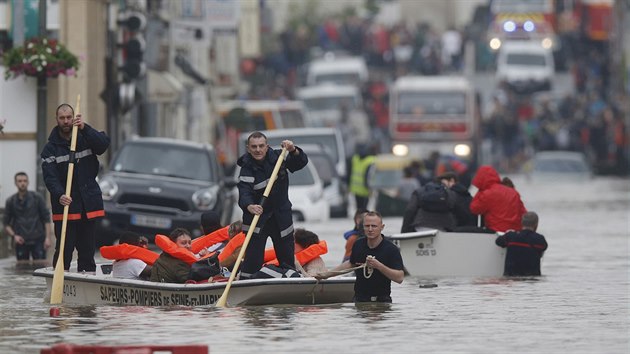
x=163, y=87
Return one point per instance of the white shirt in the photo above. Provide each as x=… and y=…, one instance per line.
x=128, y=268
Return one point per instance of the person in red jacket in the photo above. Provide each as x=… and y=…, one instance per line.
x=500, y=205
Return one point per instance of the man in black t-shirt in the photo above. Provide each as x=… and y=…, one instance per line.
x=382, y=260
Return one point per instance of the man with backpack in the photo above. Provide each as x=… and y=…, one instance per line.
x=430, y=206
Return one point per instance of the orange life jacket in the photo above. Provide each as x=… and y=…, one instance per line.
x=304, y=256
x=210, y=239
x=127, y=251
x=236, y=242
x=171, y=248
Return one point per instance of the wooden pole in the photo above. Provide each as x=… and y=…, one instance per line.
x=222, y=302
x=56, y=292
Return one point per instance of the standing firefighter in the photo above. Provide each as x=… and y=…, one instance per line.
x=85, y=201
x=276, y=218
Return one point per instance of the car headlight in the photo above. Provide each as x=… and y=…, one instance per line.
x=206, y=199
x=400, y=150
x=495, y=43
x=462, y=150
x=109, y=188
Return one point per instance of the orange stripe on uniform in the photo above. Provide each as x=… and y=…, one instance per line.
x=77, y=216
x=95, y=214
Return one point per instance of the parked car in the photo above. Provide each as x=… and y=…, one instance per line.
x=337, y=70
x=325, y=105
x=306, y=193
x=560, y=166
x=335, y=187
x=157, y=184
x=384, y=180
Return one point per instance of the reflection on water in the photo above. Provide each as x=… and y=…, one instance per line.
x=580, y=304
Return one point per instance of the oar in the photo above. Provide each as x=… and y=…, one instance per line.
x=223, y=299
x=56, y=292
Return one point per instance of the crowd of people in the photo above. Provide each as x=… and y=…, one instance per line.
x=593, y=119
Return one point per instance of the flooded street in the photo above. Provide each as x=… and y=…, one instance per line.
x=580, y=305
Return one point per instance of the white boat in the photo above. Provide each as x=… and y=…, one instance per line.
x=431, y=253
x=103, y=289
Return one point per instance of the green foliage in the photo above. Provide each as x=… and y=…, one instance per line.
x=40, y=57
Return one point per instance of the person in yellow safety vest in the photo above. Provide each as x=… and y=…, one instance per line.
x=362, y=161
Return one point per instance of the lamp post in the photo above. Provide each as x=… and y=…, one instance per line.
x=41, y=104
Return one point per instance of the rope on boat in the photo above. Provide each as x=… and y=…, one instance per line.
x=367, y=272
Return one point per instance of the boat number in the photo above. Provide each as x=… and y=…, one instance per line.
x=70, y=290
x=426, y=252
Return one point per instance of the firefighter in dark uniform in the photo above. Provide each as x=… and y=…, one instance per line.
x=86, y=200
x=276, y=218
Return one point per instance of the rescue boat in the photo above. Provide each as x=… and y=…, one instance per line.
x=103, y=289
x=431, y=253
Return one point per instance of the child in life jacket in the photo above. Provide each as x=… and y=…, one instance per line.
x=173, y=265
x=304, y=239
x=352, y=235
x=132, y=258
x=230, y=252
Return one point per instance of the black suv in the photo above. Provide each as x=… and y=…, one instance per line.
x=157, y=184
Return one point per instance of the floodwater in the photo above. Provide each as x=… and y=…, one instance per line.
x=580, y=305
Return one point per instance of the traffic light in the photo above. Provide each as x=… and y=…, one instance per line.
x=132, y=45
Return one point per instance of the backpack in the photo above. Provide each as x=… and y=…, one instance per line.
x=433, y=197
x=205, y=268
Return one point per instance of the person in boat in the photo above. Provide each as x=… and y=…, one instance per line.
x=132, y=268
x=275, y=215
x=461, y=209
x=172, y=266
x=381, y=259
x=230, y=252
x=85, y=204
x=430, y=206
x=352, y=235
x=500, y=205
x=215, y=236
x=525, y=248
x=211, y=222
x=303, y=240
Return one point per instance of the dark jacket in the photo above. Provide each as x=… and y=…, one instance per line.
x=415, y=216
x=27, y=217
x=86, y=194
x=501, y=206
x=253, y=180
x=524, y=250
x=168, y=269
x=461, y=210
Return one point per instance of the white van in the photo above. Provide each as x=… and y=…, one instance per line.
x=526, y=66
x=341, y=71
x=323, y=108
